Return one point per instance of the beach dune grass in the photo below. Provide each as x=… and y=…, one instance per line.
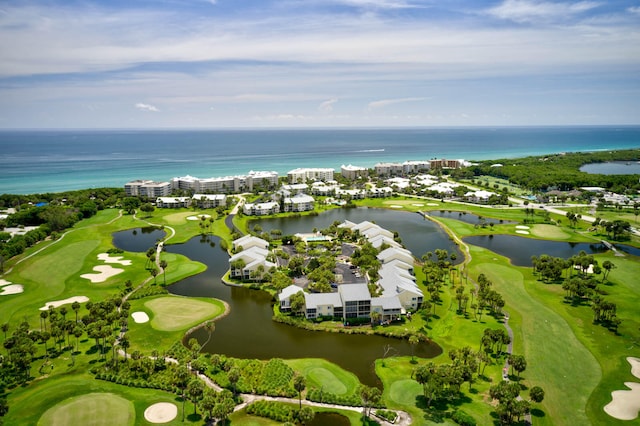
x=94, y=409
x=173, y=313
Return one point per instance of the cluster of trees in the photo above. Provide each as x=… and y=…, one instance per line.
x=561, y=171
x=615, y=229
x=442, y=382
x=51, y=213
x=487, y=298
x=580, y=283
x=511, y=406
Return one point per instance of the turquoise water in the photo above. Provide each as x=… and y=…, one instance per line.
x=50, y=161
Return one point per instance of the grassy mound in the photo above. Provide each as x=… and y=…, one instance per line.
x=172, y=313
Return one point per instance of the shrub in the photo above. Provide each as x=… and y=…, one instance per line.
x=462, y=418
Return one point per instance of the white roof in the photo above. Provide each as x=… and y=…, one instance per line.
x=351, y=292
x=289, y=291
x=313, y=300
x=387, y=303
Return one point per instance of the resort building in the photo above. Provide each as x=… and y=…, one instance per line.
x=388, y=169
x=385, y=191
x=479, y=196
x=353, y=172
x=173, y=202
x=324, y=188
x=250, y=261
x=319, y=305
x=302, y=175
x=209, y=201
x=285, y=297
x=248, y=241
x=446, y=164
x=354, y=194
x=261, y=209
x=412, y=167
x=147, y=188
x=293, y=189
x=298, y=203
x=228, y=184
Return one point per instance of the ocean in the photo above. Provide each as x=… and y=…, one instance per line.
x=58, y=160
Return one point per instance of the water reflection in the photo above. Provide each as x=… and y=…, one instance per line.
x=470, y=218
x=419, y=235
x=138, y=239
x=249, y=332
x=521, y=249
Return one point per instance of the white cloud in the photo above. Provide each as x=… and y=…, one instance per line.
x=379, y=4
x=533, y=10
x=327, y=106
x=634, y=10
x=386, y=102
x=146, y=107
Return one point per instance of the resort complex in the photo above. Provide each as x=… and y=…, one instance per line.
x=405, y=294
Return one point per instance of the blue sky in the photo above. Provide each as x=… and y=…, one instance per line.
x=318, y=63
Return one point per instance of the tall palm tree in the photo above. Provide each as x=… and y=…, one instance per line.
x=163, y=266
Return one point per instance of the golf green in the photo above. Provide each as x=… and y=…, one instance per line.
x=172, y=313
x=94, y=409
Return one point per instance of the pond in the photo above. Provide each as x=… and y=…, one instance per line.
x=419, y=235
x=138, y=239
x=521, y=249
x=612, y=168
x=249, y=332
x=470, y=218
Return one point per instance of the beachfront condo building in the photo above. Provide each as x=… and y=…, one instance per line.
x=353, y=172
x=302, y=175
x=147, y=188
x=228, y=184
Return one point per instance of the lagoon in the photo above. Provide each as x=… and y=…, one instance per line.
x=249, y=332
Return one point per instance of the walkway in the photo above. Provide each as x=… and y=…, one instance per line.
x=505, y=371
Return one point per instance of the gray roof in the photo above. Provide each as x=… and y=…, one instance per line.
x=387, y=303
x=313, y=300
x=353, y=292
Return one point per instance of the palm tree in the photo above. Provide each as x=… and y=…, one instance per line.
x=125, y=344
x=210, y=327
x=163, y=266
x=5, y=328
x=413, y=341
x=195, y=389
x=299, y=384
x=43, y=320
x=76, y=308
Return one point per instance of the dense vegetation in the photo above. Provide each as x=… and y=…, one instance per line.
x=559, y=171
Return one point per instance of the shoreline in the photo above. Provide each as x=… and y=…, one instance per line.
x=298, y=148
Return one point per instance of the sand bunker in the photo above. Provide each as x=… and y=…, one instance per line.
x=520, y=231
x=162, y=412
x=106, y=258
x=625, y=404
x=433, y=204
x=7, y=287
x=206, y=216
x=140, y=317
x=395, y=206
x=522, y=227
x=56, y=303
x=103, y=273
x=417, y=205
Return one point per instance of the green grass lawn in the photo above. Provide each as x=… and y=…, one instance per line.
x=93, y=409
x=324, y=375
x=170, y=317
